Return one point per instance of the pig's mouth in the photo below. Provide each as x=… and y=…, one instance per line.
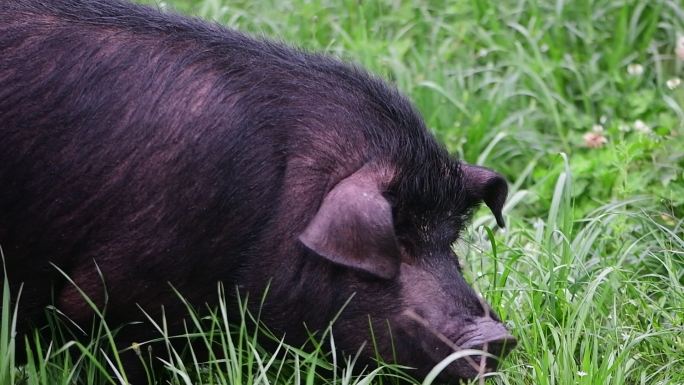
x=484, y=334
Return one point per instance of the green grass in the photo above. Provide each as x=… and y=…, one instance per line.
x=590, y=271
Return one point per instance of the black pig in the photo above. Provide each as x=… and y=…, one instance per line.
x=163, y=149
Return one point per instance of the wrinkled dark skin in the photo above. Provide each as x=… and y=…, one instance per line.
x=168, y=150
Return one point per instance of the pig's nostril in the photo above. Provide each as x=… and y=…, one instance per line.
x=501, y=346
x=494, y=337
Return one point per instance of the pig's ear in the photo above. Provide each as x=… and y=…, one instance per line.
x=485, y=185
x=353, y=227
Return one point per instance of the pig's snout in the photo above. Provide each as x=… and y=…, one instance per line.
x=488, y=335
x=500, y=346
x=483, y=333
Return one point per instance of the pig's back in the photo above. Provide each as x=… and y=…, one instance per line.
x=145, y=152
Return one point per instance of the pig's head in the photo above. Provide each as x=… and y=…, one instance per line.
x=392, y=234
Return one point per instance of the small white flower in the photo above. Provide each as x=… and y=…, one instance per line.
x=635, y=69
x=641, y=127
x=673, y=83
x=625, y=336
x=594, y=140
x=482, y=52
x=581, y=373
x=544, y=47
x=597, y=128
x=603, y=119
x=679, y=49
x=624, y=127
